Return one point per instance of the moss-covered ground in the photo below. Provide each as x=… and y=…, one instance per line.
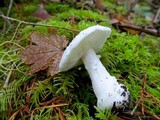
x=134, y=60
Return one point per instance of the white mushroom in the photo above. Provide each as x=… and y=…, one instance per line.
x=110, y=94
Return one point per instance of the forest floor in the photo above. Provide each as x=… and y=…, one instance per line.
x=31, y=86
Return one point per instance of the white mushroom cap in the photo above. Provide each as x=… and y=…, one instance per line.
x=93, y=37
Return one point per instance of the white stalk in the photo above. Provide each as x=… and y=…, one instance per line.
x=106, y=88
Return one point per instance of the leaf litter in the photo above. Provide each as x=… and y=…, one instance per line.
x=41, y=13
x=46, y=53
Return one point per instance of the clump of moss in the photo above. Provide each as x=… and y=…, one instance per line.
x=126, y=56
x=30, y=9
x=81, y=15
x=55, y=8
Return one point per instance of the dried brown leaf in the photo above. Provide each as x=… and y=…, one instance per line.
x=41, y=13
x=99, y=5
x=46, y=53
x=119, y=20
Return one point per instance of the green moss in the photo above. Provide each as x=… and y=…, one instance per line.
x=131, y=59
x=81, y=14
x=120, y=8
x=128, y=57
x=121, y=50
x=83, y=25
x=107, y=115
x=81, y=114
x=30, y=9
x=55, y=8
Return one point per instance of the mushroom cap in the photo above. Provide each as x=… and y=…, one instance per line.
x=93, y=37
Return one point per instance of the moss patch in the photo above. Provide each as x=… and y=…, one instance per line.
x=130, y=58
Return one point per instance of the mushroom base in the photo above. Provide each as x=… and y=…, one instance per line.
x=110, y=94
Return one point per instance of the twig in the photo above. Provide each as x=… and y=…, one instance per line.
x=158, y=101
x=148, y=31
x=8, y=77
x=157, y=17
x=9, y=8
x=135, y=107
x=8, y=12
x=152, y=114
x=36, y=24
x=134, y=76
x=6, y=20
x=14, y=35
x=142, y=93
x=50, y=106
x=12, y=117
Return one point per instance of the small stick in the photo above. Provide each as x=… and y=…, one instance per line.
x=8, y=12
x=8, y=22
x=134, y=76
x=135, y=107
x=152, y=96
x=152, y=114
x=142, y=93
x=157, y=17
x=36, y=24
x=8, y=77
x=148, y=31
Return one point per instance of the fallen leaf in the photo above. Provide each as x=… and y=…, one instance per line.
x=99, y=5
x=41, y=13
x=46, y=53
x=126, y=26
x=118, y=20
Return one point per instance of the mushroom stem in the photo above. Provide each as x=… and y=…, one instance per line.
x=98, y=73
x=106, y=88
